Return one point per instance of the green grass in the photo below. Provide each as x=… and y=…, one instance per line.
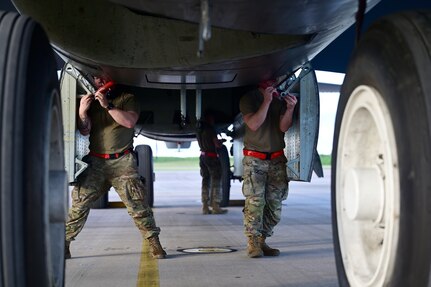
x=176, y=163
x=192, y=163
x=326, y=159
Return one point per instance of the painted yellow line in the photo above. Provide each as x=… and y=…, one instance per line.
x=148, y=275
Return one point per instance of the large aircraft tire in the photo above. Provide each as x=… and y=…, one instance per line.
x=146, y=170
x=226, y=175
x=381, y=162
x=33, y=197
x=102, y=202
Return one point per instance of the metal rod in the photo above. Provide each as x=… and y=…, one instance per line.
x=183, y=104
x=198, y=103
x=204, y=26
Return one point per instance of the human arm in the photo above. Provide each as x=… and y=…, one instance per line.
x=217, y=143
x=127, y=119
x=286, y=119
x=255, y=120
x=84, y=121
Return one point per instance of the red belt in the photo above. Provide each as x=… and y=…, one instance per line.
x=208, y=153
x=110, y=155
x=263, y=155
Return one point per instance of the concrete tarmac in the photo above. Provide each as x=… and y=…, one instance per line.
x=110, y=251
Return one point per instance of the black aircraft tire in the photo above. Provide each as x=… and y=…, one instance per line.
x=102, y=202
x=33, y=183
x=146, y=170
x=225, y=175
x=381, y=166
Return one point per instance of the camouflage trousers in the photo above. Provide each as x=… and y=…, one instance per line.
x=211, y=179
x=97, y=179
x=265, y=186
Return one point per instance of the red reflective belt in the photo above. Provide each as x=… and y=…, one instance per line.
x=110, y=155
x=263, y=155
x=208, y=153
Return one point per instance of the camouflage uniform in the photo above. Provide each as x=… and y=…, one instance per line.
x=265, y=182
x=210, y=166
x=109, y=137
x=264, y=186
x=97, y=179
x=211, y=179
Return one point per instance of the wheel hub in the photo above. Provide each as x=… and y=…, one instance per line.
x=365, y=200
x=367, y=189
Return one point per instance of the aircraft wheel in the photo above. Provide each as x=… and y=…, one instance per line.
x=146, y=170
x=381, y=166
x=225, y=175
x=33, y=198
x=102, y=202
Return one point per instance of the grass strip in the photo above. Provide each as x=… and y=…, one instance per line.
x=192, y=163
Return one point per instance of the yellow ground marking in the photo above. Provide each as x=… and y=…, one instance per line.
x=148, y=275
x=116, y=204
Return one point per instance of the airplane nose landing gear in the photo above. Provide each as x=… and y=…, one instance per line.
x=33, y=192
x=367, y=191
x=381, y=167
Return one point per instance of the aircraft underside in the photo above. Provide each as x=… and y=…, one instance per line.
x=183, y=57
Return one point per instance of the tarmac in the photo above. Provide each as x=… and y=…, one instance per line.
x=206, y=250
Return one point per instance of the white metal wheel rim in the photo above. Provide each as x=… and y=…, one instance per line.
x=367, y=162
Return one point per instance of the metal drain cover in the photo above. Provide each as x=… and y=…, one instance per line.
x=207, y=250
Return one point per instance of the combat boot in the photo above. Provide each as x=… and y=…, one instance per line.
x=267, y=251
x=155, y=248
x=67, y=254
x=205, y=209
x=217, y=210
x=253, y=248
